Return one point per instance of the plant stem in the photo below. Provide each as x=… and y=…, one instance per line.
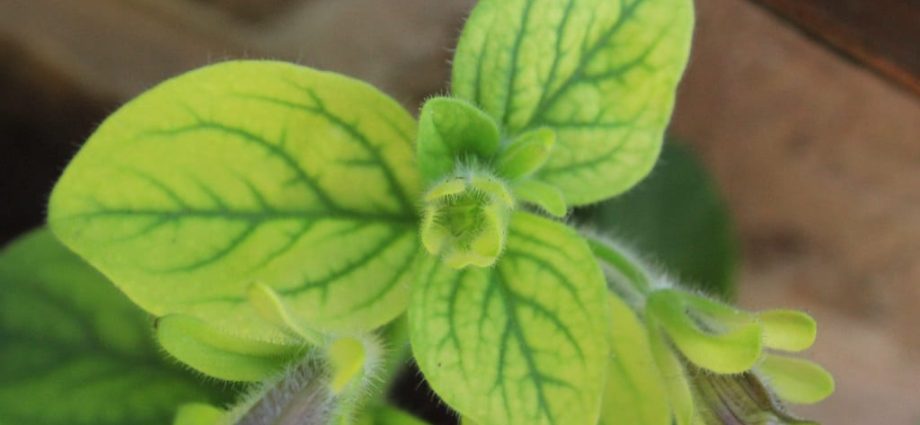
x=631, y=280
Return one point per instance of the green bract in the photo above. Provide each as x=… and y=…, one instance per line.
x=74, y=351
x=247, y=172
x=600, y=73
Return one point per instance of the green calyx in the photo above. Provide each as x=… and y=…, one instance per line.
x=466, y=219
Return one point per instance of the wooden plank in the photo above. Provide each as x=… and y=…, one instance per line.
x=882, y=34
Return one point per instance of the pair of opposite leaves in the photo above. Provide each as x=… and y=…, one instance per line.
x=306, y=181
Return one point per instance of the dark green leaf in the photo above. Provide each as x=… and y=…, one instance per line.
x=73, y=350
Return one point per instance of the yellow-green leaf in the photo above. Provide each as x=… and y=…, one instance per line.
x=75, y=351
x=797, y=380
x=788, y=330
x=523, y=342
x=220, y=355
x=246, y=172
x=600, y=73
x=636, y=393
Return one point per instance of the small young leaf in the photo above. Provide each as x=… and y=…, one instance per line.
x=526, y=154
x=600, y=73
x=245, y=172
x=490, y=341
x=220, y=355
x=733, y=350
x=452, y=130
x=797, y=380
x=788, y=330
x=75, y=351
x=541, y=194
x=635, y=392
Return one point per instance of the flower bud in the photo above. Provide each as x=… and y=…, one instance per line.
x=466, y=219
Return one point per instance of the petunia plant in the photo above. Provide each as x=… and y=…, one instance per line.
x=290, y=227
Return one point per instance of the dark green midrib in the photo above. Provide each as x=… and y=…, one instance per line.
x=513, y=329
x=480, y=66
x=515, y=52
x=560, y=31
x=321, y=110
x=368, y=256
x=332, y=277
x=385, y=288
x=252, y=220
x=577, y=74
x=276, y=150
x=452, y=335
x=594, y=161
x=549, y=268
x=240, y=215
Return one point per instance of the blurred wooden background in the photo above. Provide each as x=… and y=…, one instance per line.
x=818, y=155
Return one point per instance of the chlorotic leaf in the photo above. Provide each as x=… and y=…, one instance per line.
x=221, y=355
x=636, y=393
x=244, y=172
x=677, y=217
x=797, y=380
x=600, y=73
x=490, y=341
x=452, y=130
x=75, y=351
x=199, y=414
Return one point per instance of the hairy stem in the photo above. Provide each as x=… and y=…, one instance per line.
x=301, y=397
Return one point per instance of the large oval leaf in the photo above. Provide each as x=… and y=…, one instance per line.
x=601, y=73
x=75, y=351
x=523, y=342
x=247, y=172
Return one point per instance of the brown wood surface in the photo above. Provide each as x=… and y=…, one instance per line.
x=883, y=34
